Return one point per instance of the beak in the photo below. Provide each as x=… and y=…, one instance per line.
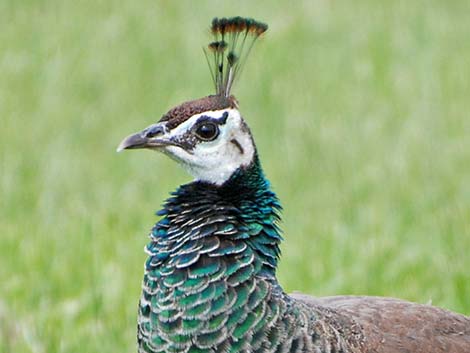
x=151, y=137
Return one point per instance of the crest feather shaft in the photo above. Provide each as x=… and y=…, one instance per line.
x=233, y=40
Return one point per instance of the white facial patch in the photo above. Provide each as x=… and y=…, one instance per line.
x=215, y=161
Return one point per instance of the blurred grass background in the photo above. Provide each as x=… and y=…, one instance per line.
x=360, y=111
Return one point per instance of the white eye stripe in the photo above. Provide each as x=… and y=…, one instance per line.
x=221, y=120
x=194, y=120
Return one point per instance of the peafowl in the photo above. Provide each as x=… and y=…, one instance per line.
x=210, y=278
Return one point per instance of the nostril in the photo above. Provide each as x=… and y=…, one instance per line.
x=153, y=131
x=150, y=134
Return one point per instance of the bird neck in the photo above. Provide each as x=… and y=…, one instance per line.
x=257, y=210
x=209, y=282
x=239, y=216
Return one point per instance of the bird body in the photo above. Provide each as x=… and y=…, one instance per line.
x=390, y=325
x=210, y=279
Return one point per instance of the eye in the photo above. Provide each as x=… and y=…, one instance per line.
x=207, y=131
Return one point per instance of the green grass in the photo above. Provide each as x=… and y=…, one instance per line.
x=360, y=111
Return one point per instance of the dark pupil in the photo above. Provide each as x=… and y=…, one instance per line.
x=207, y=131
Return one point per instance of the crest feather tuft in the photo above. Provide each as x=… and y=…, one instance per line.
x=233, y=39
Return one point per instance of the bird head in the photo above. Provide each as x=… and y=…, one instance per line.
x=208, y=136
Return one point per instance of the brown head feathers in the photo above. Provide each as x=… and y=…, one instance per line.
x=233, y=39
x=186, y=110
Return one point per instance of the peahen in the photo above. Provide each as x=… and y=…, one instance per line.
x=210, y=279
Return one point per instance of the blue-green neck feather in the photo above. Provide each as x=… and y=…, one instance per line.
x=243, y=210
x=210, y=277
